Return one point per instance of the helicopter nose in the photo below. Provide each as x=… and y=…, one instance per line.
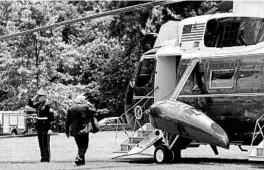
x=222, y=138
x=224, y=143
x=179, y=118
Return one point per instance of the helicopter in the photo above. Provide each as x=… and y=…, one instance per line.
x=205, y=83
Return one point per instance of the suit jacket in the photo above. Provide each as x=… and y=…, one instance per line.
x=78, y=117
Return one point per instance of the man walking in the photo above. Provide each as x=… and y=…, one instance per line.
x=77, y=120
x=45, y=115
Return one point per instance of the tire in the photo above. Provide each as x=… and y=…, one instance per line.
x=163, y=154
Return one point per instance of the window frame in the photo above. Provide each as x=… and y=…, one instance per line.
x=222, y=87
x=141, y=63
x=227, y=22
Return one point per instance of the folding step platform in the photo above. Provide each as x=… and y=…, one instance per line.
x=142, y=139
x=147, y=142
x=257, y=153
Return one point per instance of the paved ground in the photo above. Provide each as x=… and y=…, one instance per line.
x=23, y=153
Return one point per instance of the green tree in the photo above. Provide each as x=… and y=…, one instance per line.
x=94, y=57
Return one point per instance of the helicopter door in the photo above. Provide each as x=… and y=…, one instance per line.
x=184, y=78
x=144, y=81
x=165, y=76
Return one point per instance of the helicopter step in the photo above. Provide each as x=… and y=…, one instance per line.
x=257, y=154
x=126, y=147
x=142, y=139
x=144, y=133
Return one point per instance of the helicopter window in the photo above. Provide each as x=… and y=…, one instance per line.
x=146, y=73
x=235, y=31
x=222, y=78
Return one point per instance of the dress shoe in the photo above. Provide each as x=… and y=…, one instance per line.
x=44, y=160
x=79, y=161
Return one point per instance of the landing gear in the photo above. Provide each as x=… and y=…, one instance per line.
x=176, y=156
x=170, y=152
x=163, y=154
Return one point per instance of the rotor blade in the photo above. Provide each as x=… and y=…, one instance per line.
x=225, y=6
x=102, y=14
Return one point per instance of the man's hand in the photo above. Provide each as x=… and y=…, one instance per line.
x=49, y=132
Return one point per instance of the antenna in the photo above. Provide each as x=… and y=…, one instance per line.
x=225, y=5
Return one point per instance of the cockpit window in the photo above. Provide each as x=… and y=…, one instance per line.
x=222, y=78
x=146, y=73
x=235, y=31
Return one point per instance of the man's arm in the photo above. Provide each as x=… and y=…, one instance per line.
x=32, y=102
x=48, y=108
x=93, y=120
x=51, y=114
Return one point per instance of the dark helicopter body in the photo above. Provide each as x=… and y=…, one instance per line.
x=236, y=108
x=227, y=82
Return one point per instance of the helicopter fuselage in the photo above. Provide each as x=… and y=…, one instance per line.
x=226, y=84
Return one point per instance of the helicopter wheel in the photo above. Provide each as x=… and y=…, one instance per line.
x=163, y=154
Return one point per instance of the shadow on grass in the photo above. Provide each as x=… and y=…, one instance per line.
x=142, y=162
x=34, y=162
x=200, y=161
x=18, y=162
x=90, y=164
x=24, y=136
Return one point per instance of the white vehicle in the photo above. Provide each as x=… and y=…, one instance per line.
x=12, y=122
x=112, y=123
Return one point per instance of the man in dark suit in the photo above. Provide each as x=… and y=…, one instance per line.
x=77, y=120
x=45, y=115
